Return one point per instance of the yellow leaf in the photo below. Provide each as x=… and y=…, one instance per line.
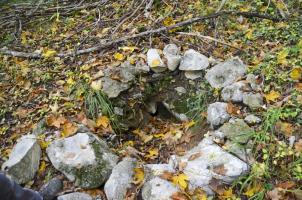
x=189, y=124
x=69, y=129
x=180, y=180
x=155, y=63
x=42, y=167
x=252, y=190
x=49, y=53
x=249, y=34
x=296, y=73
x=152, y=153
x=281, y=58
x=103, y=121
x=70, y=81
x=143, y=136
x=139, y=175
x=272, y=96
x=131, y=49
x=119, y=56
x=168, y=21
x=227, y=194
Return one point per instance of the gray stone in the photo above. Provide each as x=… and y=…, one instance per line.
x=158, y=189
x=24, y=160
x=217, y=113
x=242, y=151
x=192, y=75
x=226, y=73
x=236, y=130
x=233, y=92
x=75, y=196
x=155, y=62
x=252, y=119
x=82, y=158
x=113, y=88
x=120, y=179
x=193, y=60
x=50, y=190
x=253, y=101
x=154, y=170
x=207, y=161
x=118, y=111
x=142, y=67
x=180, y=90
x=171, y=53
x=251, y=78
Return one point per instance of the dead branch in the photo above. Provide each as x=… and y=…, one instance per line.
x=107, y=43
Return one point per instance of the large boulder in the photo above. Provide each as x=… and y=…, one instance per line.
x=24, y=160
x=226, y=73
x=193, y=60
x=171, y=53
x=83, y=158
x=208, y=161
x=120, y=179
x=158, y=189
x=155, y=62
x=75, y=196
x=217, y=113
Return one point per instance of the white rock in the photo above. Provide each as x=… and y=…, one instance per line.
x=158, y=189
x=201, y=170
x=217, y=113
x=120, y=179
x=24, y=160
x=252, y=119
x=75, y=196
x=251, y=78
x=83, y=158
x=193, y=60
x=226, y=73
x=171, y=53
x=153, y=170
x=253, y=101
x=192, y=75
x=155, y=62
x=112, y=88
x=180, y=90
x=233, y=92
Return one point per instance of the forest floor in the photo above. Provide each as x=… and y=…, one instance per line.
x=37, y=85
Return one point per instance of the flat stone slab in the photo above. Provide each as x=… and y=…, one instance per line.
x=83, y=158
x=24, y=160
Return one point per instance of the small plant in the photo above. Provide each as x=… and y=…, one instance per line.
x=197, y=104
x=95, y=101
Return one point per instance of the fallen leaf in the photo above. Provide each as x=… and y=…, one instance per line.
x=152, y=154
x=166, y=175
x=69, y=129
x=168, y=21
x=298, y=146
x=102, y=121
x=285, y=128
x=272, y=96
x=143, y=136
x=252, y=190
x=55, y=121
x=233, y=109
x=131, y=49
x=286, y=185
x=155, y=63
x=296, y=73
x=49, y=53
x=220, y=169
x=139, y=175
x=180, y=180
x=274, y=194
x=227, y=194
x=194, y=156
x=96, y=85
x=281, y=58
x=42, y=167
x=179, y=196
x=119, y=56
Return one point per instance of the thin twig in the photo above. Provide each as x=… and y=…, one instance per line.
x=209, y=38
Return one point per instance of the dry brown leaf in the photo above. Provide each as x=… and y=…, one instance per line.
x=286, y=185
x=179, y=196
x=182, y=166
x=233, y=109
x=102, y=121
x=69, y=129
x=194, y=156
x=298, y=146
x=220, y=169
x=55, y=121
x=274, y=194
x=166, y=175
x=285, y=128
